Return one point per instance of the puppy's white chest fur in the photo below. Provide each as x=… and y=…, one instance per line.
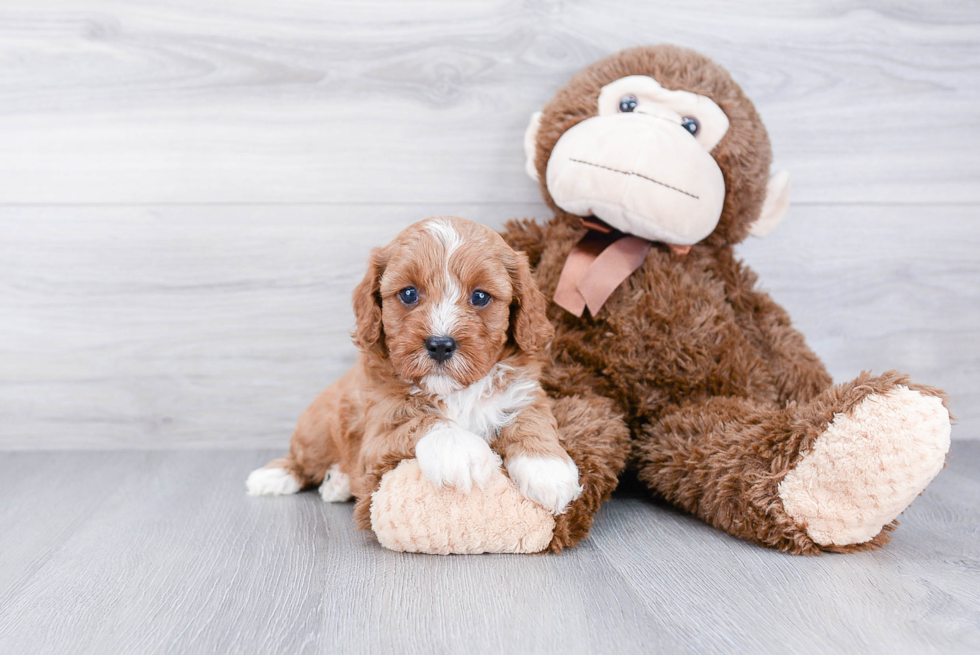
x=491, y=403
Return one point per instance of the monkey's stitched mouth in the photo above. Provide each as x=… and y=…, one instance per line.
x=640, y=175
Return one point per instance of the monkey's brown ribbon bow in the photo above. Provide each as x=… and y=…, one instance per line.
x=596, y=266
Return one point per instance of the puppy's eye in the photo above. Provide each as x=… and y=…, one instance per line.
x=627, y=104
x=480, y=298
x=408, y=295
x=690, y=124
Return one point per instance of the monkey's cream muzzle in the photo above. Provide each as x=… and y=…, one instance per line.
x=642, y=171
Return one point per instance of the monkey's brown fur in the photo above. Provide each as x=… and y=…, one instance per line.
x=721, y=395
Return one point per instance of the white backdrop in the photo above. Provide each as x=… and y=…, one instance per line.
x=189, y=189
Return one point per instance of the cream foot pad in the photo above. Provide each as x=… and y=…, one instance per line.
x=868, y=466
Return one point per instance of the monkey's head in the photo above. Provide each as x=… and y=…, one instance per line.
x=658, y=142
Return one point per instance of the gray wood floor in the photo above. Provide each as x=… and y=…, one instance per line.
x=150, y=552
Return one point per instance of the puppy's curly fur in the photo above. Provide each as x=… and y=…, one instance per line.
x=459, y=413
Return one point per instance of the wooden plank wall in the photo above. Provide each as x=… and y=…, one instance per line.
x=188, y=188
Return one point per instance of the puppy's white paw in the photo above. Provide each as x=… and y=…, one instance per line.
x=549, y=481
x=452, y=457
x=271, y=482
x=336, y=486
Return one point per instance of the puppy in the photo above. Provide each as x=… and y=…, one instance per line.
x=451, y=331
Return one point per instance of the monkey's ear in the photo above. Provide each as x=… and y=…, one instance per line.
x=530, y=145
x=774, y=207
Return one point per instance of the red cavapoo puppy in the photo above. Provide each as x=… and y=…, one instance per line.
x=451, y=330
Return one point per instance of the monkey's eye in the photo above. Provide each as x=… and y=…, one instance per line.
x=690, y=124
x=627, y=104
x=409, y=295
x=480, y=298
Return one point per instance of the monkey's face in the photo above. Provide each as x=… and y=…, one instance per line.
x=643, y=163
x=658, y=142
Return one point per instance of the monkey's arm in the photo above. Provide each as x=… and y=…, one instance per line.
x=798, y=373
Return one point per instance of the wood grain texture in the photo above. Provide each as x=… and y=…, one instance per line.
x=152, y=552
x=111, y=101
x=216, y=326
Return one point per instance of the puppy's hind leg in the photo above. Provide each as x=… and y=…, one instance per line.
x=314, y=450
x=277, y=478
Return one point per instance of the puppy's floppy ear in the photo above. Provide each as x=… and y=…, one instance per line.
x=369, y=334
x=529, y=322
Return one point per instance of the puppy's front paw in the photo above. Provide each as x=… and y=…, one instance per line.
x=549, y=481
x=452, y=457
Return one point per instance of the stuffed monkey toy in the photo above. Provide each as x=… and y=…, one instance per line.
x=656, y=165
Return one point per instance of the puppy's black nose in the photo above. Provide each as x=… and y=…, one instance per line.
x=440, y=348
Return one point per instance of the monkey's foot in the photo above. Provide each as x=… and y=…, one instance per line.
x=409, y=514
x=868, y=466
